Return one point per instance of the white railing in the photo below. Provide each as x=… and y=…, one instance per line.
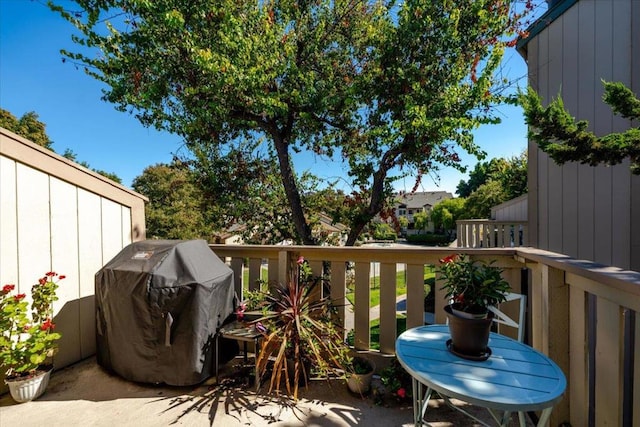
x=580, y=314
x=485, y=233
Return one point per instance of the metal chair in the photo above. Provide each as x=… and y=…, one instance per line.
x=502, y=318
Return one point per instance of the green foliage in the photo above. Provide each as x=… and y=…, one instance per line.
x=389, y=90
x=176, y=208
x=445, y=214
x=565, y=140
x=396, y=384
x=480, y=202
x=299, y=330
x=420, y=220
x=28, y=126
x=429, y=239
x=26, y=342
x=492, y=183
x=384, y=231
x=473, y=285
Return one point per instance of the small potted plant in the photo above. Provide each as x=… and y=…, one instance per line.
x=27, y=342
x=359, y=372
x=471, y=287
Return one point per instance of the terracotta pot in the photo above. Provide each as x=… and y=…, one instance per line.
x=469, y=336
x=28, y=389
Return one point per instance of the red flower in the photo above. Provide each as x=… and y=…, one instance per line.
x=448, y=259
x=62, y=277
x=19, y=297
x=47, y=325
x=51, y=274
x=402, y=393
x=42, y=281
x=8, y=288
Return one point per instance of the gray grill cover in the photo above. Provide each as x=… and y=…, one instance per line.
x=158, y=306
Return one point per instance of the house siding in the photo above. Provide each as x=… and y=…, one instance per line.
x=586, y=212
x=57, y=215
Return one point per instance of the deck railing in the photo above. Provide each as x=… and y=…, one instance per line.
x=485, y=233
x=580, y=314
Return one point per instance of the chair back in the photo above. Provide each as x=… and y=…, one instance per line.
x=501, y=318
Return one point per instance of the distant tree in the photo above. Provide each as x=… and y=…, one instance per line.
x=389, y=89
x=478, y=176
x=445, y=214
x=557, y=133
x=512, y=175
x=176, y=208
x=492, y=183
x=28, y=126
x=479, y=203
x=69, y=154
x=420, y=220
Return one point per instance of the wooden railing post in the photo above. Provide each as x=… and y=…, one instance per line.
x=361, y=307
x=554, y=322
x=339, y=289
x=387, y=308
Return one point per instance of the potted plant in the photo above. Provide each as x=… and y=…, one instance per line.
x=471, y=287
x=299, y=333
x=359, y=372
x=27, y=342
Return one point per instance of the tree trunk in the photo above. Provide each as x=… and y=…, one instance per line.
x=291, y=190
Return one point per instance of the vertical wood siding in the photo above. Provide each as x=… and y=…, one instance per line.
x=582, y=211
x=56, y=215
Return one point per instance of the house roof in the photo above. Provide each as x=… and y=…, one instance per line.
x=422, y=199
x=556, y=9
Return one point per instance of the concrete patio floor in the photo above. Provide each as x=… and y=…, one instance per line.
x=86, y=395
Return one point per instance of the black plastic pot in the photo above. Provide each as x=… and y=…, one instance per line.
x=469, y=337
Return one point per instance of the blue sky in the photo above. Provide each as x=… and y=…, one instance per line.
x=34, y=78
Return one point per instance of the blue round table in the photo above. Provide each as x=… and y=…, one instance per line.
x=515, y=378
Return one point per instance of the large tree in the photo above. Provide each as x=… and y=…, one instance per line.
x=390, y=89
x=557, y=132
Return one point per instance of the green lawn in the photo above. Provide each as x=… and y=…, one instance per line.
x=401, y=286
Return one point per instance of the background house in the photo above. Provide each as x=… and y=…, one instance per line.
x=586, y=212
x=408, y=204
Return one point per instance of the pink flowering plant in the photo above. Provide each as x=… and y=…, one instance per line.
x=471, y=285
x=28, y=341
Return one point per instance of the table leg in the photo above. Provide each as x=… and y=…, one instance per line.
x=544, y=417
x=217, y=359
x=255, y=364
x=417, y=402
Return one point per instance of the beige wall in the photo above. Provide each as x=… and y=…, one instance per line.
x=586, y=212
x=57, y=215
x=511, y=210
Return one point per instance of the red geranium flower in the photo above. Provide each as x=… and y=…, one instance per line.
x=19, y=297
x=42, y=281
x=8, y=288
x=51, y=274
x=47, y=325
x=402, y=393
x=62, y=277
x=448, y=259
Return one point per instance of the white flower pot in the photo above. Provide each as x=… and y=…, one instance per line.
x=25, y=390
